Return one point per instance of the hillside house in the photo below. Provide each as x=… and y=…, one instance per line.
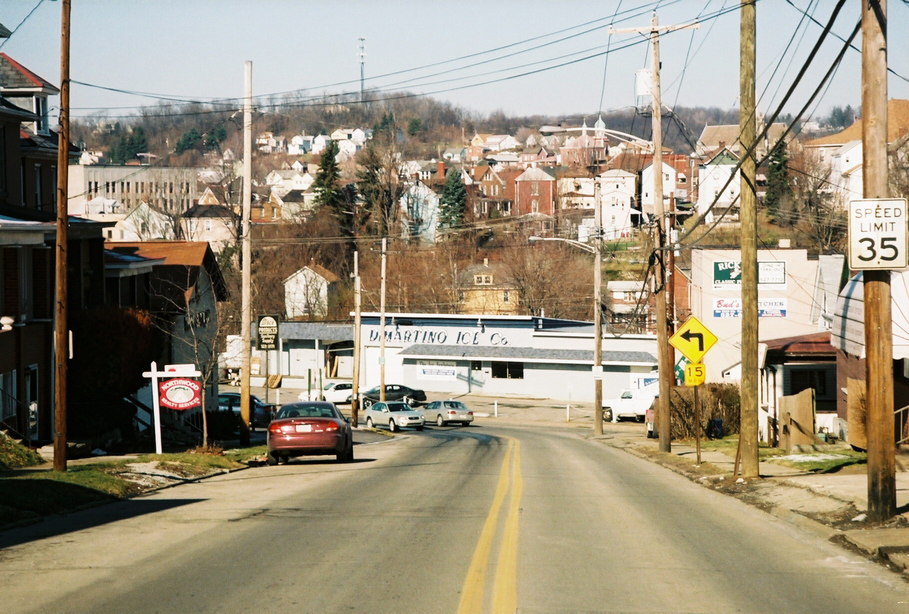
x=309, y=292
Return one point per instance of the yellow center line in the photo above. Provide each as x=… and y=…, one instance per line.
x=505, y=591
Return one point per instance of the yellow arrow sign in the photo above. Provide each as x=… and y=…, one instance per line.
x=693, y=339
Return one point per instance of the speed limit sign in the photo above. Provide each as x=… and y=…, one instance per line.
x=877, y=234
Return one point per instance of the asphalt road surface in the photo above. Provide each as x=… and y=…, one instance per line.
x=449, y=520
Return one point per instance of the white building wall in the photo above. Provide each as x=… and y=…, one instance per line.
x=784, y=306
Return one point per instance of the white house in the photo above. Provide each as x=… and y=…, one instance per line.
x=669, y=179
x=617, y=193
x=319, y=143
x=346, y=151
x=713, y=199
x=309, y=291
x=142, y=223
x=299, y=145
x=283, y=181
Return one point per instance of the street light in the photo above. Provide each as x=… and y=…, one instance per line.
x=597, y=322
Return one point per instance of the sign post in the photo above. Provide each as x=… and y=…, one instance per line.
x=693, y=339
x=181, y=371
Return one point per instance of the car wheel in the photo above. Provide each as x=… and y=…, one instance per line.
x=369, y=424
x=367, y=403
x=607, y=414
x=271, y=459
x=392, y=426
x=439, y=421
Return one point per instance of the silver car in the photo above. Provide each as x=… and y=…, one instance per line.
x=393, y=414
x=446, y=412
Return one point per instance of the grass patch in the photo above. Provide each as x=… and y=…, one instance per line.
x=14, y=455
x=29, y=494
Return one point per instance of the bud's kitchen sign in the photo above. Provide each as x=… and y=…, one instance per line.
x=727, y=274
x=267, y=333
x=732, y=308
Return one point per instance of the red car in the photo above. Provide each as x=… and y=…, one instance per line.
x=309, y=428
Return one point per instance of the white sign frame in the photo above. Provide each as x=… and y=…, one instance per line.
x=877, y=234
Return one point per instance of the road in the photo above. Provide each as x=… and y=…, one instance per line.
x=449, y=520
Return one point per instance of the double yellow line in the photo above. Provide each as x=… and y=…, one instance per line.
x=505, y=584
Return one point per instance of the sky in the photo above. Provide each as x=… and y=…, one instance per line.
x=520, y=57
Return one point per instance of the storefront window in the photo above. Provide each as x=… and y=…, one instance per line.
x=508, y=370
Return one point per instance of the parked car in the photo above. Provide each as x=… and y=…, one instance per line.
x=446, y=412
x=260, y=412
x=632, y=404
x=394, y=415
x=338, y=393
x=394, y=392
x=310, y=428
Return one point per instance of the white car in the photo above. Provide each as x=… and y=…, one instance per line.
x=446, y=412
x=393, y=414
x=338, y=393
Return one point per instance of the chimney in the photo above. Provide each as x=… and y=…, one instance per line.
x=440, y=170
x=486, y=262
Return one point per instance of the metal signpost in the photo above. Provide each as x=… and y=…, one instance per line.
x=693, y=339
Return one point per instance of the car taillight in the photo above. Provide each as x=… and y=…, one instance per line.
x=332, y=426
x=452, y=412
x=274, y=428
x=470, y=413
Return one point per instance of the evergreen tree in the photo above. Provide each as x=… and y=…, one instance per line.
x=453, y=202
x=339, y=199
x=188, y=141
x=778, y=198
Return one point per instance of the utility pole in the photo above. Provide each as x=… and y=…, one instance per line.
x=382, y=324
x=355, y=382
x=879, y=420
x=61, y=345
x=362, y=68
x=748, y=430
x=245, y=291
x=597, y=313
x=660, y=232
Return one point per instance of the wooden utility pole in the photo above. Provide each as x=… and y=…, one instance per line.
x=355, y=379
x=879, y=420
x=597, y=313
x=61, y=345
x=748, y=430
x=245, y=272
x=382, y=323
x=660, y=234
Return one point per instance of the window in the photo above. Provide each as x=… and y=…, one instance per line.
x=535, y=206
x=506, y=296
x=38, y=194
x=482, y=280
x=802, y=379
x=508, y=370
x=476, y=365
x=8, y=394
x=535, y=188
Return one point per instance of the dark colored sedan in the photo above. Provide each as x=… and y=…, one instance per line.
x=311, y=428
x=260, y=412
x=395, y=392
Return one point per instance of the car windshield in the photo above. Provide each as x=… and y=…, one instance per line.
x=454, y=405
x=307, y=411
x=398, y=407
